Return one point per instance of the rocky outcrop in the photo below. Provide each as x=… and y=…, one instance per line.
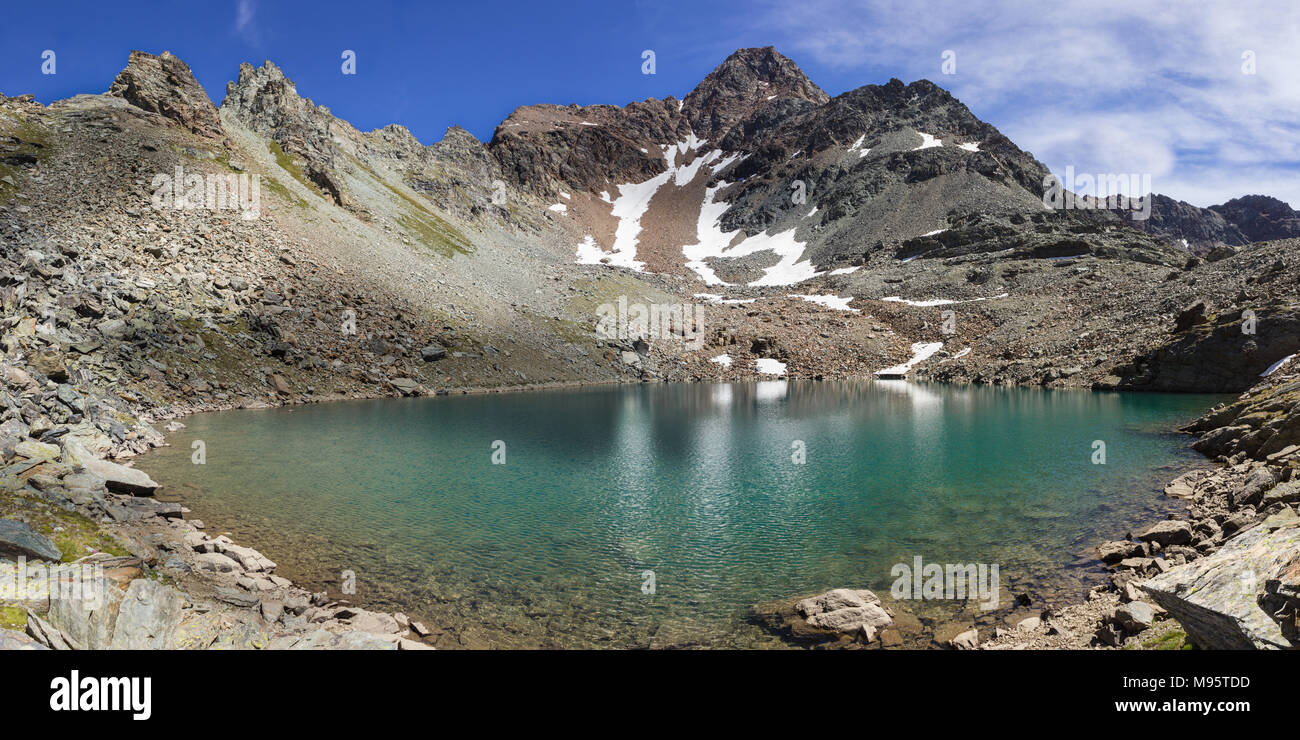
x=1222, y=352
x=1197, y=230
x=1219, y=599
x=1260, y=217
x=166, y=86
x=745, y=83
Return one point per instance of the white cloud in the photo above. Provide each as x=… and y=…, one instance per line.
x=244, y=11
x=1107, y=86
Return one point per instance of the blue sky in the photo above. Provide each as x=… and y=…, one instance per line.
x=1158, y=87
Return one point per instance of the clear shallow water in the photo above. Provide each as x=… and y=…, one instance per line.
x=692, y=481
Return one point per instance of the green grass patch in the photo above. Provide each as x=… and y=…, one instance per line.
x=13, y=618
x=76, y=535
x=32, y=139
x=429, y=228
x=287, y=163
x=1171, y=640
x=275, y=186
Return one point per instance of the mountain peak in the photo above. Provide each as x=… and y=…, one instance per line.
x=166, y=86
x=745, y=82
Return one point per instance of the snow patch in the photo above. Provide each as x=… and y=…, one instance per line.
x=810, y=213
x=1273, y=368
x=715, y=298
x=769, y=366
x=921, y=351
x=940, y=301
x=969, y=146
x=723, y=360
x=928, y=141
x=558, y=208
x=829, y=300
x=932, y=233
x=846, y=270
x=712, y=241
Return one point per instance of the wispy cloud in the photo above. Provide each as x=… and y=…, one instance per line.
x=244, y=11
x=1108, y=86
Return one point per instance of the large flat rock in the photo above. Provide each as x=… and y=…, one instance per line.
x=1217, y=598
x=118, y=478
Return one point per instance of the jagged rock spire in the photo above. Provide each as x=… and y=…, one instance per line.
x=166, y=86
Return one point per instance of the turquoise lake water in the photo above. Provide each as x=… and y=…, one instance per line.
x=693, y=482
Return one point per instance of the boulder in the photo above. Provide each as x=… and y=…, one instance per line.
x=1190, y=316
x=215, y=562
x=280, y=385
x=1168, y=532
x=89, y=620
x=1184, y=486
x=1217, y=598
x=10, y=640
x=1135, y=616
x=19, y=540
x=432, y=352
x=846, y=611
x=33, y=450
x=840, y=598
x=119, y=478
x=148, y=617
x=968, y=640
x=1113, y=552
x=407, y=386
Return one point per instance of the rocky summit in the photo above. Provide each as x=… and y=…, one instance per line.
x=162, y=255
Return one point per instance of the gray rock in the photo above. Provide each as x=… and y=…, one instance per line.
x=148, y=617
x=968, y=640
x=1216, y=598
x=1113, y=552
x=1168, y=532
x=18, y=539
x=49, y=635
x=120, y=478
x=433, y=352
x=10, y=640
x=89, y=621
x=1135, y=616
x=216, y=563
x=840, y=598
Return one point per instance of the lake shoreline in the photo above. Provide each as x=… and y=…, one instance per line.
x=1199, y=464
x=318, y=620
